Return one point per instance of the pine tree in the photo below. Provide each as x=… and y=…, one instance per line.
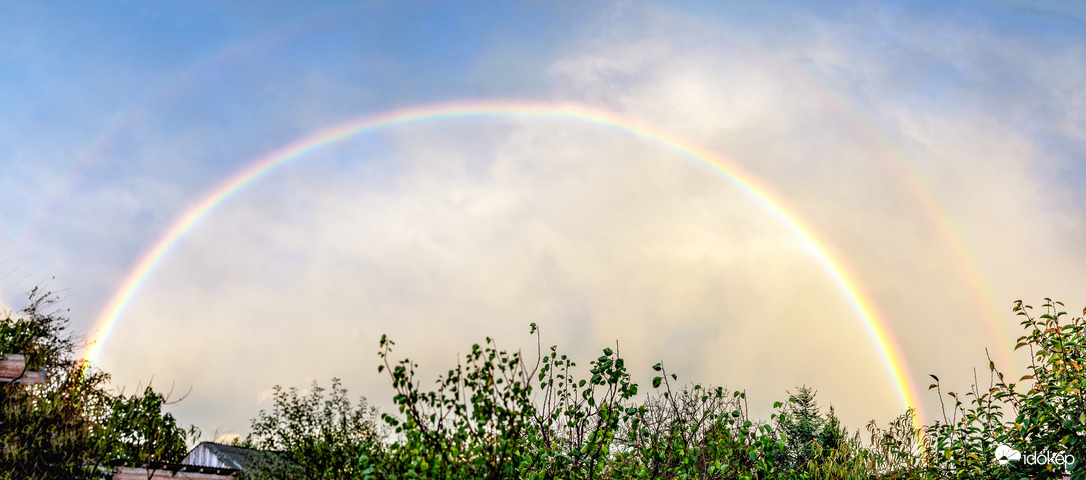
x=801, y=423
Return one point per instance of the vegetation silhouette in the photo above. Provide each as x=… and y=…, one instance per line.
x=72, y=426
x=496, y=415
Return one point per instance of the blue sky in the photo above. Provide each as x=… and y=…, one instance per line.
x=880, y=125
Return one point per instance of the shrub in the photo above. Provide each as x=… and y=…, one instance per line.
x=71, y=426
x=1044, y=413
x=316, y=437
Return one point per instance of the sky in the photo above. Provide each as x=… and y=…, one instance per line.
x=761, y=196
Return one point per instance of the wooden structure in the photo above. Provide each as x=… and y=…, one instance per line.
x=166, y=471
x=13, y=370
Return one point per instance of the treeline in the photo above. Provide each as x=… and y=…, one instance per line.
x=496, y=415
x=485, y=422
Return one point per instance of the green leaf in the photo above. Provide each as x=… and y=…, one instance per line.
x=656, y=382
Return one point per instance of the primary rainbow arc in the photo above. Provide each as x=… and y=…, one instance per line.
x=845, y=281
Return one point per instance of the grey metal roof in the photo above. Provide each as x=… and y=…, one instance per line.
x=227, y=456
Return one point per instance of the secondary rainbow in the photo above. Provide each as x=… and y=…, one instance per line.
x=864, y=309
x=908, y=172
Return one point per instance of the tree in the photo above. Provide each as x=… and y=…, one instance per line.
x=141, y=432
x=72, y=425
x=496, y=416
x=801, y=424
x=316, y=437
x=1051, y=414
x=833, y=434
x=1042, y=415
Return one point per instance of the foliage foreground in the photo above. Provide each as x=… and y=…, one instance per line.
x=497, y=416
x=72, y=426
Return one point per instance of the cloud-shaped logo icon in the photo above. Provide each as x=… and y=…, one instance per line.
x=1006, y=454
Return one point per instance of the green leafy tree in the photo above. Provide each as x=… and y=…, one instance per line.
x=72, y=425
x=137, y=430
x=1050, y=415
x=485, y=421
x=474, y=425
x=1042, y=415
x=493, y=417
x=496, y=416
x=900, y=450
x=316, y=436
x=698, y=432
x=578, y=420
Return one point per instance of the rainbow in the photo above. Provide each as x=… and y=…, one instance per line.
x=812, y=86
x=942, y=218
x=865, y=309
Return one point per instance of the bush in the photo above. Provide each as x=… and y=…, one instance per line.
x=71, y=426
x=315, y=437
x=1045, y=413
x=494, y=417
x=497, y=416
